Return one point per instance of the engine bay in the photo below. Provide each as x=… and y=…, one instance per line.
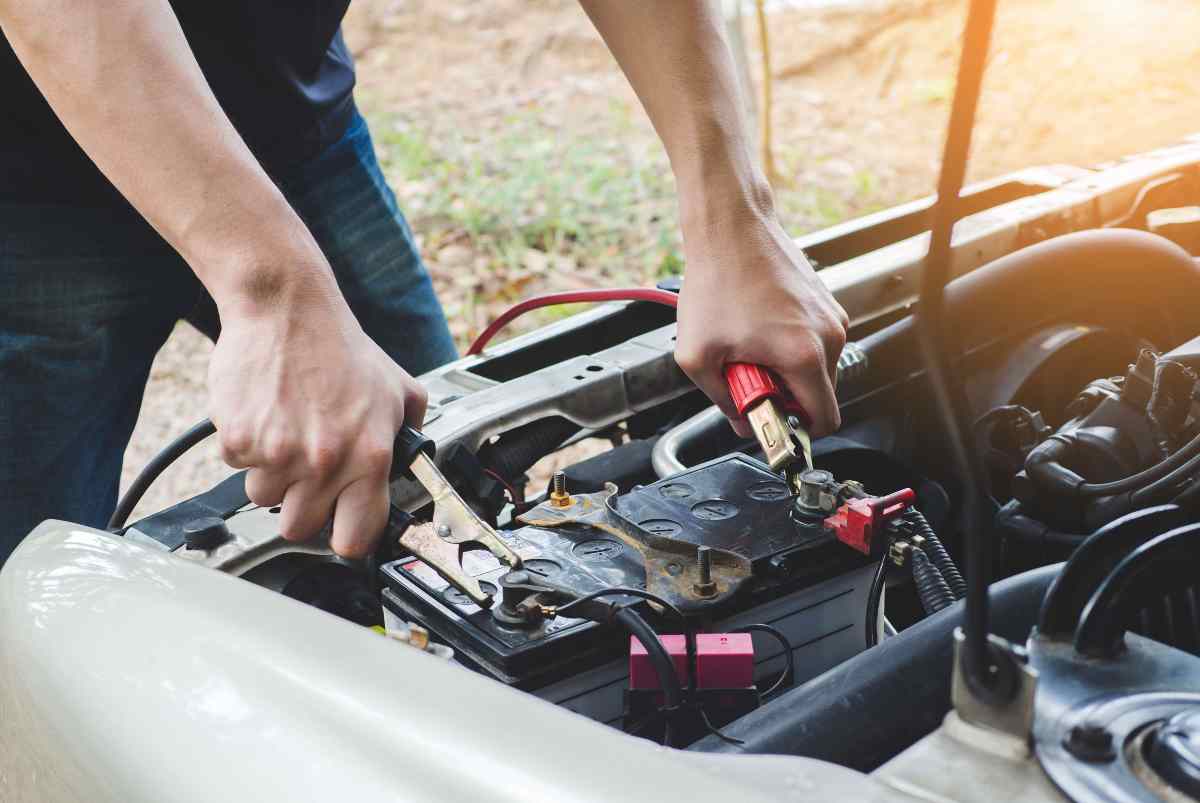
x=1080, y=377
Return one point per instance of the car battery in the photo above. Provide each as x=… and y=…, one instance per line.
x=806, y=585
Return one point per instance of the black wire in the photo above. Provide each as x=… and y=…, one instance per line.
x=174, y=450
x=689, y=635
x=937, y=552
x=663, y=666
x=874, y=597
x=620, y=591
x=1168, y=482
x=932, y=589
x=714, y=730
x=789, y=656
x=1183, y=457
x=948, y=395
x=1188, y=495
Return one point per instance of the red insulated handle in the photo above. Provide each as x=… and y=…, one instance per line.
x=749, y=384
x=894, y=504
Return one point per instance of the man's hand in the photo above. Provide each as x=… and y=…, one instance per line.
x=306, y=401
x=298, y=393
x=751, y=296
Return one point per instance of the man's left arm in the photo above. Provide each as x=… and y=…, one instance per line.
x=749, y=295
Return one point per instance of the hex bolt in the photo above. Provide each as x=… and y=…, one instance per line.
x=558, y=490
x=704, y=585
x=1090, y=742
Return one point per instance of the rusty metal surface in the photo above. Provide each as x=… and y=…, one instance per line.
x=671, y=565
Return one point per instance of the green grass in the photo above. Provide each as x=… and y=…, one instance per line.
x=594, y=200
x=596, y=206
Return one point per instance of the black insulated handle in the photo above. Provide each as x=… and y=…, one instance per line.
x=409, y=443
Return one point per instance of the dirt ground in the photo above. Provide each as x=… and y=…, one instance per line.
x=525, y=164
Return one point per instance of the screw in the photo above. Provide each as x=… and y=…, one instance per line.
x=444, y=531
x=1090, y=742
x=704, y=585
x=558, y=490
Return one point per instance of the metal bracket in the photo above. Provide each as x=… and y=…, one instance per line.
x=1015, y=715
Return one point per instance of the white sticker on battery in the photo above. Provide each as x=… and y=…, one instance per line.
x=426, y=575
x=479, y=561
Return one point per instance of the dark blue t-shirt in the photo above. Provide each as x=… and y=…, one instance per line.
x=279, y=68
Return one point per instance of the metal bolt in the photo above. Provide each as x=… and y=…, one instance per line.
x=704, y=585
x=1090, y=742
x=558, y=490
x=444, y=531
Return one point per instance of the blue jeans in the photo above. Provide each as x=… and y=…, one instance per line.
x=89, y=295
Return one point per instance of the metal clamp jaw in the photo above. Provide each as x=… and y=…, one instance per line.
x=454, y=523
x=779, y=421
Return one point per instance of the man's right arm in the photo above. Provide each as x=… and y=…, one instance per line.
x=298, y=392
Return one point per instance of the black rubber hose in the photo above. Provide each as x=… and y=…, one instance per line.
x=663, y=667
x=851, y=715
x=518, y=449
x=1161, y=566
x=932, y=590
x=174, y=450
x=937, y=552
x=874, y=598
x=1094, y=560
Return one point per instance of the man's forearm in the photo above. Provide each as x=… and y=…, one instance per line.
x=676, y=58
x=122, y=79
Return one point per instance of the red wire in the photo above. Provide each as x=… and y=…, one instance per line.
x=517, y=499
x=571, y=297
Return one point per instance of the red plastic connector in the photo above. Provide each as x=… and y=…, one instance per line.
x=723, y=661
x=857, y=521
x=749, y=384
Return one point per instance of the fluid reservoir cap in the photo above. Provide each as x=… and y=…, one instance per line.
x=1174, y=751
x=208, y=532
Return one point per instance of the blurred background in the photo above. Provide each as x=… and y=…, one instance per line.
x=525, y=164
